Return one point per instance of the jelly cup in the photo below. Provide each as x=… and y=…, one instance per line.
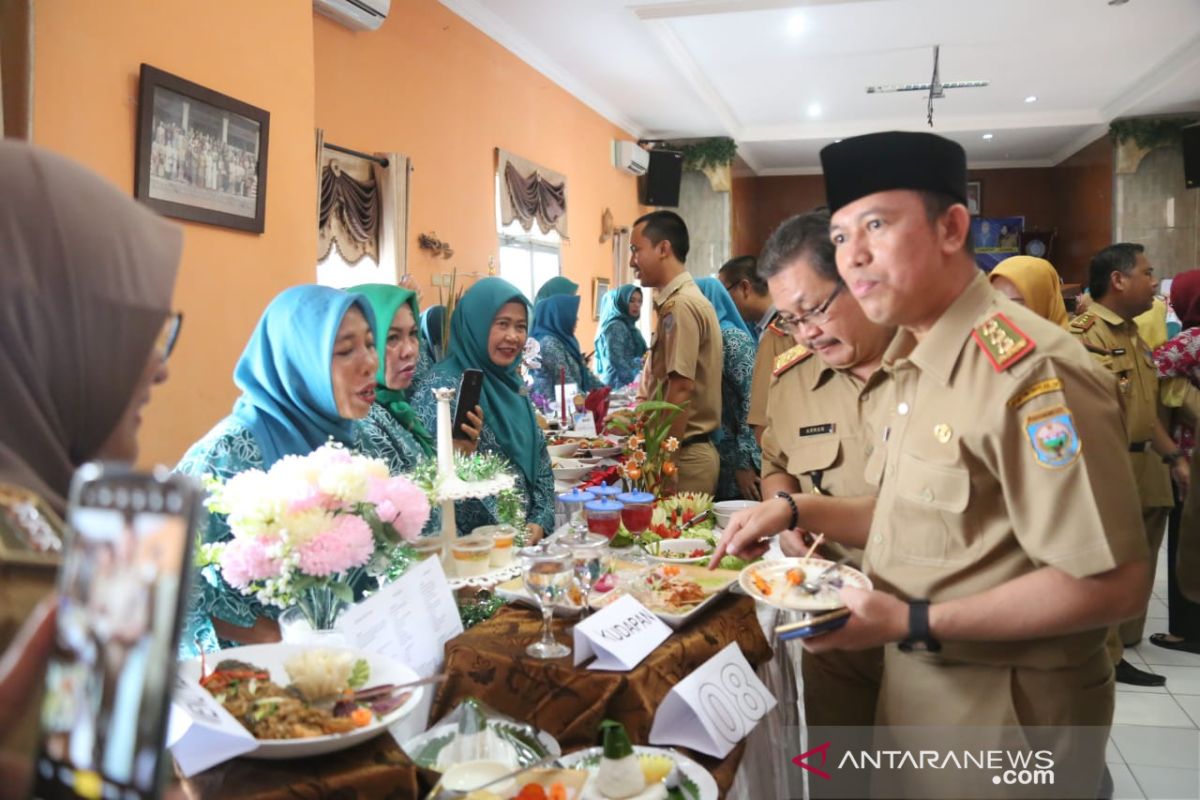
x=605, y=492
x=428, y=547
x=471, y=556
x=574, y=501
x=502, y=538
x=638, y=511
x=604, y=517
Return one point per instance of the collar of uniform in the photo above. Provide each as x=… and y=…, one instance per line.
x=826, y=373
x=678, y=282
x=938, y=353
x=1101, y=311
x=760, y=327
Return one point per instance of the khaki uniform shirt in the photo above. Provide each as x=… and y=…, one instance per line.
x=816, y=430
x=687, y=341
x=994, y=458
x=1118, y=347
x=773, y=344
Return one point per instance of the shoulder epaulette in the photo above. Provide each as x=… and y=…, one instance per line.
x=776, y=330
x=1083, y=322
x=1002, y=342
x=790, y=358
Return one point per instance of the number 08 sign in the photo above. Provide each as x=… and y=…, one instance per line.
x=715, y=707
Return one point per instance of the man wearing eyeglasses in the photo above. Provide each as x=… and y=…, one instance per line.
x=994, y=425
x=816, y=440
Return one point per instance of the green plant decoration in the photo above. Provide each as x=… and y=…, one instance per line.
x=715, y=152
x=1150, y=132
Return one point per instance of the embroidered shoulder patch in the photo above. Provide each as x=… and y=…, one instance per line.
x=790, y=358
x=1083, y=322
x=1029, y=392
x=1053, y=437
x=1002, y=342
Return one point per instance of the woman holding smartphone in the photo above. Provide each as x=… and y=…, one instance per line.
x=307, y=375
x=488, y=332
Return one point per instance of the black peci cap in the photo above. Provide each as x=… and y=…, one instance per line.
x=879, y=162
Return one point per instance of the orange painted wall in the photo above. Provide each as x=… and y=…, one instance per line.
x=85, y=106
x=431, y=86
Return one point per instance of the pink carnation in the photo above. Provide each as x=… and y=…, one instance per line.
x=246, y=560
x=346, y=545
x=401, y=504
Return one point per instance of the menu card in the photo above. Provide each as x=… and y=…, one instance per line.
x=715, y=707
x=200, y=732
x=410, y=621
x=619, y=635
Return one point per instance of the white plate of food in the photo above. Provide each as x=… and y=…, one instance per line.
x=675, y=593
x=777, y=583
x=442, y=746
x=568, y=469
x=696, y=783
x=679, y=551
x=253, y=684
x=564, y=450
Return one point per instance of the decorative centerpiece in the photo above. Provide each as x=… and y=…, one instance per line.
x=650, y=446
x=309, y=531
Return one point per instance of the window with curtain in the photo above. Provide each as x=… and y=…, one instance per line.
x=531, y=218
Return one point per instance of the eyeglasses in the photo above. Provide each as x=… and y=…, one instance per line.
x=169, y=335
x=818, y=316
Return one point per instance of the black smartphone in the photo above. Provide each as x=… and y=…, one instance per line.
x=122, y=592
x=814, y=626
x=468, y=397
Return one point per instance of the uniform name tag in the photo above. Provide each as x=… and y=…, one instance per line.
x=817, y=430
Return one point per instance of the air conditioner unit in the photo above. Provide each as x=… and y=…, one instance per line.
x=629, y=157
x=357, y=15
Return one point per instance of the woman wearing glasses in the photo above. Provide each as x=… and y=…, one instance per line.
x=307, y=375
x=738, y=450
x=72, y=385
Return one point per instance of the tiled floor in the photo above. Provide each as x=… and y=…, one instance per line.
x=1154, y=753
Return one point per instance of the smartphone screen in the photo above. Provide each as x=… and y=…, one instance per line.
x=469, y=389
x=121, y=594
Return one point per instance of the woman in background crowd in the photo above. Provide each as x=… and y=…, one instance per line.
x=561, y=357
x=620, y=346
x=1034, y=283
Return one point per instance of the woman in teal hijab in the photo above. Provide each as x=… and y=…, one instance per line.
x=398, y=342
x=554, y=330
x=557, y=286
x=488, y=332
x=306, y=375
x=739, y=452
x=620, y=346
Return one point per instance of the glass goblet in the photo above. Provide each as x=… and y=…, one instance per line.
x=588, y=557
x=548, y=573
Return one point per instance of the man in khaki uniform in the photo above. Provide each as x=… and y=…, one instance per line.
x=998, y=598
x=685, y=353
x=1121, y=282
x=816, y=440
x=775, y=342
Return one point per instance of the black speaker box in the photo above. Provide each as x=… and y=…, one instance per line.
x=1191, y=156
x=660, y=185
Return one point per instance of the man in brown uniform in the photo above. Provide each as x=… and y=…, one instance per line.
x=998, y=599
x=816, y=440
x=753, y=300
x=1121, y=282
x=775, y=342
x=685, y=353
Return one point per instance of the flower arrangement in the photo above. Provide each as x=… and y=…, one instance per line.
x=649, y=448
x=307, y=531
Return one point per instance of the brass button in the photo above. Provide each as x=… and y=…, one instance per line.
x=927, y=495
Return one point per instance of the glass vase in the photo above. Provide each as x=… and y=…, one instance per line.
x=312, y=619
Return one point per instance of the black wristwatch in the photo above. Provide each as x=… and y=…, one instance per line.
x=787, y=497
x=1171, y=458
x=919, y=636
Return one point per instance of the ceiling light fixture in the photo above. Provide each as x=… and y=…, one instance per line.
x=936, y=87
x=1031, y=98
x=796, y=25
x=814, y=109
x=989, y=136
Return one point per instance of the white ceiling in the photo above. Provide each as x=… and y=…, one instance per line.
x=786, y=77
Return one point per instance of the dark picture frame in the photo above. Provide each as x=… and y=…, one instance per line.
x=201, y=155
x=975, y=197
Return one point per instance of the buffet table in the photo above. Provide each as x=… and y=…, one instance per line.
x=489, y=662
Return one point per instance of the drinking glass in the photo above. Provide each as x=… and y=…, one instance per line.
x=548, y=572
x=638, y=511
x=603, y=517
x=588, y=557
x=574, y=501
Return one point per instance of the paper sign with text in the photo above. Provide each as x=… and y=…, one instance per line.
x=200, y=732
x=584, y=424
x=715, y=707
x=619, y=635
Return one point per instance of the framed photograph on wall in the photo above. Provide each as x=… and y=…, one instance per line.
x=974, y=197
x=201, y=155
x=599, y=289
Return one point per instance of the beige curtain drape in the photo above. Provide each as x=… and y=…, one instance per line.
x=531, y=193
x=393, y=181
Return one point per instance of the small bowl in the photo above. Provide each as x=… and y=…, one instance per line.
x=567, y=469
x=725, y=510
x=681, y=547
x=605, y=452
x=467, y=775
x=562, y=450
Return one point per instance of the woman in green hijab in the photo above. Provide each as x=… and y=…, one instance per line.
x=558, y=285
x=392, y=422
x=488, y=333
